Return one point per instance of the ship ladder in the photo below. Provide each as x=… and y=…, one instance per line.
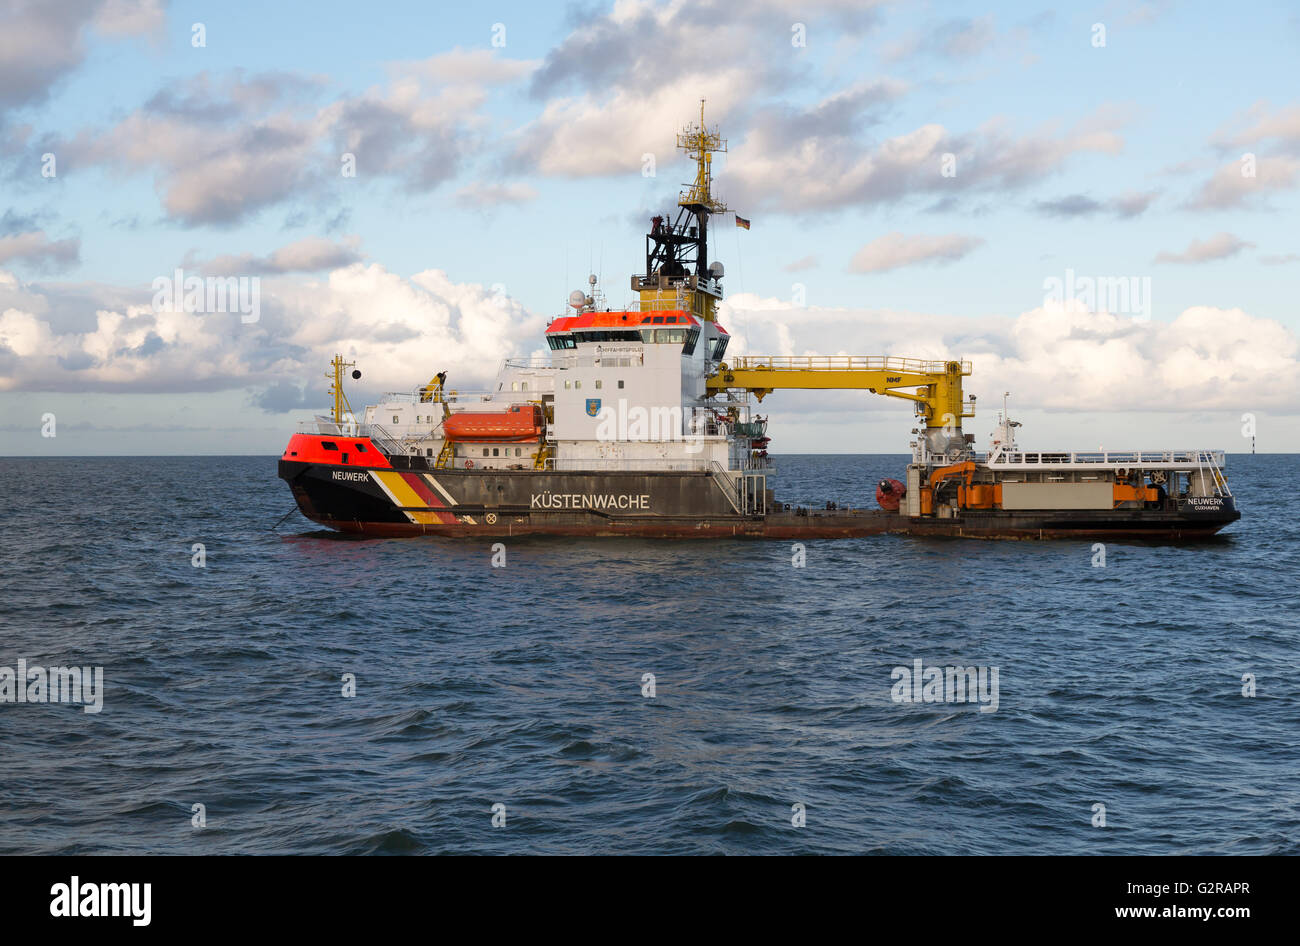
x=445, y=455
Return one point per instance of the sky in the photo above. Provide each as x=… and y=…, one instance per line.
x=1095, y=204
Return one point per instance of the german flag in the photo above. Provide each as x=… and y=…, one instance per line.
x=742, y=222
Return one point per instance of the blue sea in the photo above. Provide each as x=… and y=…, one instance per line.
x=519, y=694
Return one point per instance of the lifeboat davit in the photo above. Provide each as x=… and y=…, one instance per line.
x=520, y=423
x=889, y=493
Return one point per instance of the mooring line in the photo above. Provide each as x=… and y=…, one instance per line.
x=282, y=518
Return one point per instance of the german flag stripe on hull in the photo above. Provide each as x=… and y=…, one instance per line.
x=413, y=496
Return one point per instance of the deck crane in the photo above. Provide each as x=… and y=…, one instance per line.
x=935, y=387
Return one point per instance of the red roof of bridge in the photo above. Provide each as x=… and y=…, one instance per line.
x=620, y=320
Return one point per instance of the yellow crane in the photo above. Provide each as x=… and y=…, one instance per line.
x=934, y=386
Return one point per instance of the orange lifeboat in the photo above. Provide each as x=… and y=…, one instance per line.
x=521, y=423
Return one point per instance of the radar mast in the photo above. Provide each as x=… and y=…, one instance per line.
x=677, y=271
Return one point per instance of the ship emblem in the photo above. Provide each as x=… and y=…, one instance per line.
x=593, y=406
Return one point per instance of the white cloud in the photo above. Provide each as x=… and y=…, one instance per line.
x=470, y=66
x=481, y=194
x=400, y=330
x=131, y=17
x=589, y=135
x=308, y=255
x=41, y=43
x=37, y=248
x=222, y=149
x=895, y=250
x=1231, y=185
x=1059, y=358
x=1219, y=246
x=1261, y=123
x=791, y=162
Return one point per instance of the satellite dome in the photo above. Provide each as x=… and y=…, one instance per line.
x=577, y=299
x=717, y=270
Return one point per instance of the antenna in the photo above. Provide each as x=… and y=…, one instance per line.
x=677, y=273
x=341, y=407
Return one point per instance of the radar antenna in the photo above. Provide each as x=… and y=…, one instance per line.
x=677, y=271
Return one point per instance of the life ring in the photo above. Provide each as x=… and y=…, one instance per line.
x=1158, y=477
x=469, y=464
x=490, y=518
x=1122, y=472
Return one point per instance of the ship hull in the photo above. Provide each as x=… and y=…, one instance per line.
x=419, y=500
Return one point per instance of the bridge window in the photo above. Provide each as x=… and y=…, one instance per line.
x=613, y=335
x=620, y=385
x=485, y=451
x=361, y=447
x=328, y=445
x=692, y=336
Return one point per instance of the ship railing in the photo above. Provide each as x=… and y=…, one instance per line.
x=452, y=397
x=548, y=362
x=1002, y=458
x=844, y=363
x=728, y=483
x=540, y=362
x=382, y=438
x=680, y=285
x=627, y=465
x=325, y=426
x=745, y=489
x=680, y=304
x=377, y=434
x=1213, y=467
x=625, y=358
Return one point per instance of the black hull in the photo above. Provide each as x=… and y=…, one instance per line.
x=419, y=500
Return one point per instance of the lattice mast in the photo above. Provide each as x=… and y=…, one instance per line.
x=678, y=274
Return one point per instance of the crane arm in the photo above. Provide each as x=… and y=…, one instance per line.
x=937, y=384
